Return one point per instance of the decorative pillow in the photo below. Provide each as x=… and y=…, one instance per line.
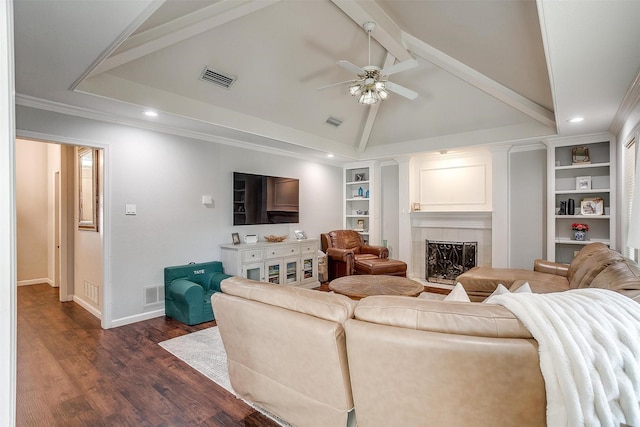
x=526, y=288
x=501, y=289
x=458, y=294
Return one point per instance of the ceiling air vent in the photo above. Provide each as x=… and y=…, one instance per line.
x=217, y=78
x=334, y=121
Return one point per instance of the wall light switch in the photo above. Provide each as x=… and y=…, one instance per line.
x=130, y=209
x=207, y=200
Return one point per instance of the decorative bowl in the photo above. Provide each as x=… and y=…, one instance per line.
x=273, y=239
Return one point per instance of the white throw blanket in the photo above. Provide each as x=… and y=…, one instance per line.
x=589, y=344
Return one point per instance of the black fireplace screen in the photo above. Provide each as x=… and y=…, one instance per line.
x=445, y=261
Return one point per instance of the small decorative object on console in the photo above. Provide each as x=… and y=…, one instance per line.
x=273, y=239
x=235, y=238
x=300, y=235
x=251, y=238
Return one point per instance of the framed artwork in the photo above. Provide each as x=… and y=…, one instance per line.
x=300, y=235
x=88, y=198
x=360, y=224
x=583, y=183
x=593, y=206
x=235, y=238
x=580, y=156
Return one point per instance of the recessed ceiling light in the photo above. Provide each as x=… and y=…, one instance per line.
x=330, y=155
x=576, y=120
x=150, y=113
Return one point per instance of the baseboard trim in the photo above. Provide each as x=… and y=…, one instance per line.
x=84, y=304
x=137, y=318
x=29, y=282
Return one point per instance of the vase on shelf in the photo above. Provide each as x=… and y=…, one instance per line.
x=580, y=235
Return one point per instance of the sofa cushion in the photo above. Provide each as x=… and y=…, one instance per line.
x=324, y=305
x=480, y=282
x=589, y=262
x=475, y=319
x=623, y=277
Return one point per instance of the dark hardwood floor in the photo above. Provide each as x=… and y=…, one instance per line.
x=71, y=372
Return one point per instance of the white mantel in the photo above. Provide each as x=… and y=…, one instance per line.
x=471, y=219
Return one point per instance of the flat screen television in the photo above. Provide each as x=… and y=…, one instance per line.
x=261, y=199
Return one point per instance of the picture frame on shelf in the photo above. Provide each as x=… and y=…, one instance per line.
x=583, y=183
x=580, y=156
x=361, y=177
x=300, y=235
x=235, y=238
x=592, y=206
x=360, y=225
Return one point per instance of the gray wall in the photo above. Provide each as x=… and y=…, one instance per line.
x=527, y=201
x=165, y=176
x=390, y=207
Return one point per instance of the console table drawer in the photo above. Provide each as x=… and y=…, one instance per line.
x=254, y=255
x=309, y=247
x=281, y=251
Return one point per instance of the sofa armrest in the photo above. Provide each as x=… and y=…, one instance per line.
x=379, y=251
x=550, y=267
x=337, y=254
x=186, y=292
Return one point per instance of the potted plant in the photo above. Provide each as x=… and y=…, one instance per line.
x=579, y=231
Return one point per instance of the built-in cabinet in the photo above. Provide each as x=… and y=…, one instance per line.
x=592, y=182
x=290, y=263
x=360, y=211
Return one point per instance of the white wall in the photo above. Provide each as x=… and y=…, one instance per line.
x=165, y=176
x=32, y=212
x=527, y=202
x=53, y=166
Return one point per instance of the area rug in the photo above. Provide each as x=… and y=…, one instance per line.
x=203, y=351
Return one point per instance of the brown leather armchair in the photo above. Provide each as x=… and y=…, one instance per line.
x=344, y=248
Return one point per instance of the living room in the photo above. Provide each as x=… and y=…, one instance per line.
x=165, y=172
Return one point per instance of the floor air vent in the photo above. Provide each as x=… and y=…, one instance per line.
x=217, y=78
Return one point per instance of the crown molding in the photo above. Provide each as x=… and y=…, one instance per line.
x=630, y=100
x=57, y=107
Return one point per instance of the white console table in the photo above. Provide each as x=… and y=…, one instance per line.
x=290, y=263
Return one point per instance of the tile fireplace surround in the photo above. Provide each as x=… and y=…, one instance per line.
x=454, y=226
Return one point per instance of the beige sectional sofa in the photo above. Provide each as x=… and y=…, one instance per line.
x=594, y=266
x=310, y=357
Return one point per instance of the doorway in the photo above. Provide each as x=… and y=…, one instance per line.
x=68, y=258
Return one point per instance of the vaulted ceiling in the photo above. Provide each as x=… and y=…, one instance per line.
x=489, y=71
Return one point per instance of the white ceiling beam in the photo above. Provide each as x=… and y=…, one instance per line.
x=387, y=32
x=373, y=113
x=480, y=81
x=180, y=29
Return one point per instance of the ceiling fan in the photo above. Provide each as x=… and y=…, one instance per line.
x=372, y=84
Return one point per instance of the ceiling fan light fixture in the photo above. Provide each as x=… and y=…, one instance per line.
x=355, y=90
x=369, y=97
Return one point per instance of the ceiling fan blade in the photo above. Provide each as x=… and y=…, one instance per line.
x=349, y=66
x=400, y=66
x=401, y=90
x=336, y=84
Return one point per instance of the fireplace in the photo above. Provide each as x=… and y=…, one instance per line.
x=446, y=260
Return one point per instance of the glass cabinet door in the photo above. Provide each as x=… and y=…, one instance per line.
x=308, y=264
x=252, y=271
x=273, y=272
x=291, y=271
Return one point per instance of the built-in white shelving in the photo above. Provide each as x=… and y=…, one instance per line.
x=359, y=200
x=562, y=183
